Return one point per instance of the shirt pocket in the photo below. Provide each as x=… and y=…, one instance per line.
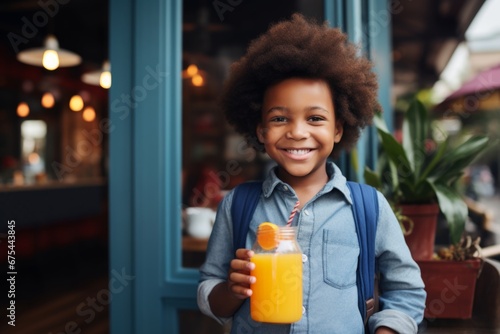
x=340, y=259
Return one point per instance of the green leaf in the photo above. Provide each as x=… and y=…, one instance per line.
x=396, y=153
x=354, y=159
x=454, y=209
x=456, y=160
x=436, y=160
x=379, y=123
x=372, y=178
x=415, y=131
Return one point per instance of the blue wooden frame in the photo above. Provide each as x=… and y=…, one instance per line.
x=120, y=165
x=358, y=18
x=145, y=155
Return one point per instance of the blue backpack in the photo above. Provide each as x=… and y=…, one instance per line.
x=365, y=210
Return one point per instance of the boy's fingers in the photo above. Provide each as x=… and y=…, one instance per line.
x=241, y=291
x=244, y=254
x=241, y=278
x=242, y=265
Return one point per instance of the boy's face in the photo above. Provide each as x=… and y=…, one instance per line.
x=298, y=127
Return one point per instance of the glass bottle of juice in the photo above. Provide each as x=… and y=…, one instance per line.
x=277, y=292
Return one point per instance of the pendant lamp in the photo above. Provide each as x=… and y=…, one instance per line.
x=101, y=77
x=49, y=56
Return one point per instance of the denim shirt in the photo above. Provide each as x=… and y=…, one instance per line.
x=327, y=236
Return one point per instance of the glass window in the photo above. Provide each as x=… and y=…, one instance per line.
x=215, y=34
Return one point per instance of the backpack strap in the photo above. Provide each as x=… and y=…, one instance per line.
x=245, y=199
x=365, y=211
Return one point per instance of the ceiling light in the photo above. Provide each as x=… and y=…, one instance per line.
x=48, y=100
x=23, y=109
x=49, y=56
x=197, y=80
x=101, y=77
x=76, y=103
x=88, y=114
x=192, y=70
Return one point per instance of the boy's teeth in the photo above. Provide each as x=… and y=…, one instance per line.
x=298, y=152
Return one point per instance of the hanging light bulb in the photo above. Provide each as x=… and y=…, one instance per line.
x=23, y=109
x=101, y=77
x=105, y=77
x=48, y=100
x=76, y=103
x=49, y=56
x=50, y=60
x=88, y=114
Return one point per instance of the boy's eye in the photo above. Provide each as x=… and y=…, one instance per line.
x=316, y=118
x=278, y=119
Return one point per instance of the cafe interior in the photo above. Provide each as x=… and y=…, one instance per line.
x=55, y=135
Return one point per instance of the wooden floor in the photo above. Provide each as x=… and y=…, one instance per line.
x=61, y=313
x=61, y=291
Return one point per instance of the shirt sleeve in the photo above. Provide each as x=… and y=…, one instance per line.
x=402, y=295
x=219, y=255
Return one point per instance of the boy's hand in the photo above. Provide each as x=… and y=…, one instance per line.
x=228, y=296
x=239, y=279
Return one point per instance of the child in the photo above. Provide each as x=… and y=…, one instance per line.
x=302, y=94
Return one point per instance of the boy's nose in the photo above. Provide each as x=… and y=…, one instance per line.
x=297, y=131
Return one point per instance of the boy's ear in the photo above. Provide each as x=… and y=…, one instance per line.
x=260, y=133
x=339, y=131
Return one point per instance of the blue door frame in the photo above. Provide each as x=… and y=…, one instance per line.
x=145, y=153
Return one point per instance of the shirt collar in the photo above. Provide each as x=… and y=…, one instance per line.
x=335, y=181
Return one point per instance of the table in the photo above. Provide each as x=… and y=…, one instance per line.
x=190, y=244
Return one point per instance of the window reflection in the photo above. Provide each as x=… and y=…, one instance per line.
x=215, y=157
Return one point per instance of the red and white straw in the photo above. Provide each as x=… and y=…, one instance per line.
x=293, y=213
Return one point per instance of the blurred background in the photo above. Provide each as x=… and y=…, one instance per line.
x=54, y=130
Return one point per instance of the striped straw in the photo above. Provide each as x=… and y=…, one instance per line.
x=292, y=214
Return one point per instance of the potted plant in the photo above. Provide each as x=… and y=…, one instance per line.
x=450, y=279
x=419, y=177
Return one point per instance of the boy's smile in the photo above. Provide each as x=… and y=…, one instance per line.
x=298, y=127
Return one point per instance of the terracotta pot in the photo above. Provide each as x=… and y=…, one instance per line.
x=421, y=240
x=450, y=287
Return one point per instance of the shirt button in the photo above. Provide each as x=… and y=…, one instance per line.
x=303, y=310
x=285, y=188
x=304, y=258
x=306, y=212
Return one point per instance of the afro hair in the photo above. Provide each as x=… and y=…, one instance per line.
x=303, y=49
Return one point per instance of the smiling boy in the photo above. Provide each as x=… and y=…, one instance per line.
x=302, y=94
x=299, y=130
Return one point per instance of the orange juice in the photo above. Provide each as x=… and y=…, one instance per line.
x=277, y=292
